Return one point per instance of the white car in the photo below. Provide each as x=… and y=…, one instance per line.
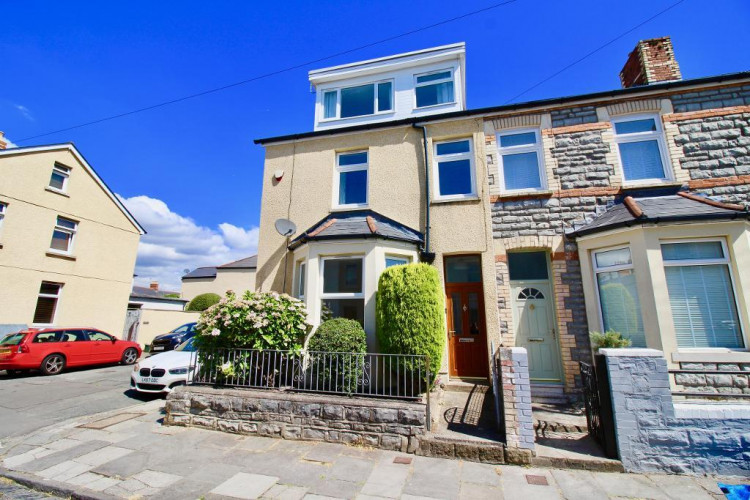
x=163, y=372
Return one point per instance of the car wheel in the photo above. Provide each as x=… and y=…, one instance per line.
x=130, y=356
x=53, y=364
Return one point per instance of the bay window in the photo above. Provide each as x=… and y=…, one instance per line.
x=520, y=160
x=640, y=142
x=350, y=182
x=433, y=89
x=619, y=306
x=701, y=294
x=343, y=288
x=455, y=177
x=299, y=286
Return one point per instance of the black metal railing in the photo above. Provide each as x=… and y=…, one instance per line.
x=698, y=378
x=497, y=388
x=398, y=376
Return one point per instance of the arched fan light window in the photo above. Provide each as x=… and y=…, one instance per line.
x=530, y=293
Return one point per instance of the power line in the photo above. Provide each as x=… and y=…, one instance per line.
x=273, y=73
x=553, y=75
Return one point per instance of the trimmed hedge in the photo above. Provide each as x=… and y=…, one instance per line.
x=339, y=372
x=410, y=313
x=339, y=335
x=202, y=302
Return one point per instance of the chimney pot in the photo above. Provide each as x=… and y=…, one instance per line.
x=154, y=285
x=652, y=61
x=3, y=142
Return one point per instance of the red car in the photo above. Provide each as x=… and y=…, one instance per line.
x=52, y=349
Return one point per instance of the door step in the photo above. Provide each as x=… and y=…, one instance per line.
x=466, y=385
x=548, y=394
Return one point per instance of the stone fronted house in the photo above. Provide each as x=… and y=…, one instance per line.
x=623, y=209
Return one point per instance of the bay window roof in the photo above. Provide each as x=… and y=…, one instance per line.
x=681, y=207
x=358, y=224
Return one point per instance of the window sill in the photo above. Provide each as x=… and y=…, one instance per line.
x=57, y=191
x=651, y=184
x=715, y=355
x=348, y=208
x=435, y=106
x=59, y=255
x=437, y=201
x=536, y=193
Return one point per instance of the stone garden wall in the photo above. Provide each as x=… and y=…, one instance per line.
x=738, y=383
x=655, y=434
x=387, y=424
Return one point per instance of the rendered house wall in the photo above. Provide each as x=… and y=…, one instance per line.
x=97, y=281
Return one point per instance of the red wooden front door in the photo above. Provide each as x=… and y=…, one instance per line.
x=467, y=332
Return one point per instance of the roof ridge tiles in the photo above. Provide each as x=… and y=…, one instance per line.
x=633, y=207
x=371, y=224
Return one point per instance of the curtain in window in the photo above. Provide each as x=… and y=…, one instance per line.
x=329, y=104
x=521, y=171
x=621, y=309
x=703, y=307
x=641, y=160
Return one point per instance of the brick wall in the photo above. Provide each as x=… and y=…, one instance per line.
x=516, y=386
x=656, y=435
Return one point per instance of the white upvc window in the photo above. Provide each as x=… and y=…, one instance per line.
x=3, y=208
x=59, y=179
x=454, y=173
x=350, y=180
x=63, y=236
x=521, y=160
x=641, y=149
x=300, y=281
x=396, y=260
x=617, y=294
x=434, y=88
x=343, y=288
x=359, y=100
x=701, y=293
x=46, y=303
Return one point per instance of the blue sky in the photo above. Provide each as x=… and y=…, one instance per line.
x=191, y=172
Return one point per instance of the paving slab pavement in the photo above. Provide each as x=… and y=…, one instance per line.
x=141, y=458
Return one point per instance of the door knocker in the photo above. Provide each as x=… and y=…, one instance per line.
x=466, y=308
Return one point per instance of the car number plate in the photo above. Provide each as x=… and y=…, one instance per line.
x=150, y=380
x=158, y=348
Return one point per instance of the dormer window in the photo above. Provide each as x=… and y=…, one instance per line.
x=361, y=100
x=59, y=179
x=434, y=89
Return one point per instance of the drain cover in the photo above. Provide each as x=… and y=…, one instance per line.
x=114, y=419
x=402, y=460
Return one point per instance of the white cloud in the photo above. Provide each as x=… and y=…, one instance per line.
x=25, y=112
x=175, y=243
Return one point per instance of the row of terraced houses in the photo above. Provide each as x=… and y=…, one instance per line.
x=622, y=210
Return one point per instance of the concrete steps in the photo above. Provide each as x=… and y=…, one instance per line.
x=549, y=394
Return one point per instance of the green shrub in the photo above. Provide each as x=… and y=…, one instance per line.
x=339, y=371
x=202, y=302
x=410, y=313
x=339, y=335
x=608, y=339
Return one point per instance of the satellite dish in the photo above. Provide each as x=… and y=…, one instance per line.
x=285, y=227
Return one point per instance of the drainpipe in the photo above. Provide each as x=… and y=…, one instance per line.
x=425, y=254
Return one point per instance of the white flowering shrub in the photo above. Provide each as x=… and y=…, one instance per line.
x=255, y=320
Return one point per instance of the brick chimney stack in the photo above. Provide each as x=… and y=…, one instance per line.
x=154, y=286
x=652, y=61
x=3, y=143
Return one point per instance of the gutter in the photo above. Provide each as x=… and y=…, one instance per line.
x=657, y=220
x=425, y=255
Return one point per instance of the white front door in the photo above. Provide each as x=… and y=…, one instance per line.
x=534, y=320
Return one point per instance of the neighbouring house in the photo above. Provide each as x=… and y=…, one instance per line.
x=151, y=297
x=624, y=209
x=238, y=276
x=67, y=243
